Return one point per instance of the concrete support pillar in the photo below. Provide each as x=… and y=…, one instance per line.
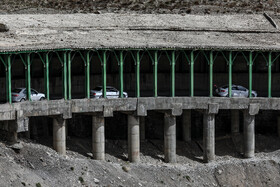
x=208, y=137
x=234, y=122
x=12, y=137
x=98, y=138
x=278, y=126
x=59, y=139
x=187, y=125
x=27, y=133
x=142, y=128
x=169, y=138
x=133, y=138
x=249, y=135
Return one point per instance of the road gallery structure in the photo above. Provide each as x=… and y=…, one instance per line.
x=191, y=52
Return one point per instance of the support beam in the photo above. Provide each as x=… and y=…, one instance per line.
x=66, y=60
x=8, y=79
x=59, y=138
x=269, y=74
x=28, y=77
x=137, y=74
x=155, y=73
x=46, y=76
x=169, y=138
x=192, y=75
x=230, y=62
x=234, y=122
x=142, y=128
x=12, y=132
x=133, y=138
x=211, y=62
x=87, y=73
x=250, y=73
x=186, y=125
x=249, y=135
x=208, y=137
x=98, y=138
x=173, y=63
x=121, y=74
x=104, y=62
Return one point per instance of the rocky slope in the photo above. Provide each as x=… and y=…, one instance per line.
x=36, y=164
x=140, y=6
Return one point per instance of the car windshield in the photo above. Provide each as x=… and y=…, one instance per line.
x=98, y=88
x=16, y=90
x=224, y=87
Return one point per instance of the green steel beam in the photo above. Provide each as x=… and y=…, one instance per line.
x=173, y=62
x=211, y=62
x=8, y=79
x=46, y=77
x=69, y=60
x=230, y=62
x=155, y=73
x=250, y=72
x=121, y=74
x=104, y=61
x=64, y=75
x=138, y=74
x=192, y=74
x=269, y=74
x=28, y=77
x=88, y=75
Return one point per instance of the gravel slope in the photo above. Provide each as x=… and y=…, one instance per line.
x=38, y=164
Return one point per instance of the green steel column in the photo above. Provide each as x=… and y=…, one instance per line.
x=269, y=74
x=121, y=75
x=230, y=74
x=211, y=61
x=155, y=73
x=192, y=75
x=9, y=80
x=138, y=74
x=104, y=75
x=88, y=76
x=173, y=74
x=65, y=76
x=47, y=82
x=250, y=72
x=28, y=83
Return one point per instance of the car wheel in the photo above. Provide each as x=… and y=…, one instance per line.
x=42, y=98
x=22, y=100
x=253, y=95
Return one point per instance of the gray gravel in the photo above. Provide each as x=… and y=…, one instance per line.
x=37, y=163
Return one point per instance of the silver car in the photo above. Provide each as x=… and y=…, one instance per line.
x=111, y=92
x=236, y=91
x=19, y=95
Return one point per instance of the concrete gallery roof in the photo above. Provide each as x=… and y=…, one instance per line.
x=219, y=32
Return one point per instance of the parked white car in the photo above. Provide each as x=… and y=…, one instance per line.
x=111, y=92
x=19, y=95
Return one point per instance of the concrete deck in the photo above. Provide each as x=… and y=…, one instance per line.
x=138, y=105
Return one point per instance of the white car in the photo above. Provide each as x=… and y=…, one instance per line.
x=19, y=95
x=111, y=92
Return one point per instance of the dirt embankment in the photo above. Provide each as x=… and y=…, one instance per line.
x=140, y=6
x=35, y=164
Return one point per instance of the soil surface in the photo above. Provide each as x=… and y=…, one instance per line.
x=140, y=6
x=35, y=163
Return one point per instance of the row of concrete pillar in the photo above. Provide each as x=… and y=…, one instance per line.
x=136, y=132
